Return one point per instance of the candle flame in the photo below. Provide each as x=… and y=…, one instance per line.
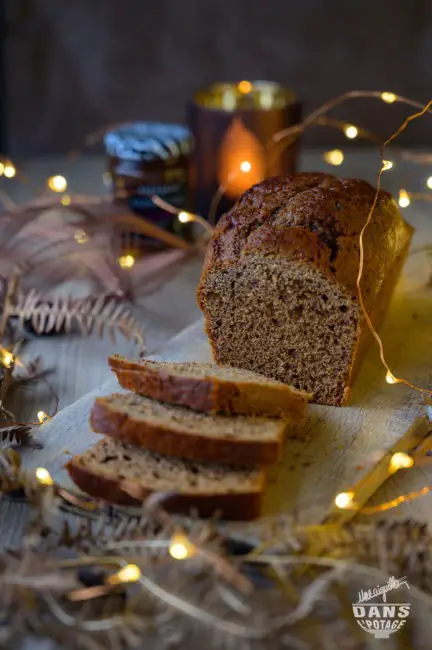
x=242, y=160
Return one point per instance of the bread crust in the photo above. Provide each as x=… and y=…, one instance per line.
x=235, y=506
x=210, y=394
x=107, y=420
x=313, y=219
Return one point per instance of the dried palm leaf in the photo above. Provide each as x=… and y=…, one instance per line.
x=17, y=433
x=93, y=313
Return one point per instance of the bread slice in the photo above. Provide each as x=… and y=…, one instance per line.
x=178, y=431
x=124, y=474
x=210, y=388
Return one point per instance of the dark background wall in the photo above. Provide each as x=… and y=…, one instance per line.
x=75, y=65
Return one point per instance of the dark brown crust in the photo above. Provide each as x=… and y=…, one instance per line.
x=241, y=507
x=210, y=394
x=315, y=219
x=106, y=420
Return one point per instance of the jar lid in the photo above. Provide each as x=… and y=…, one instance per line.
x=148, y=141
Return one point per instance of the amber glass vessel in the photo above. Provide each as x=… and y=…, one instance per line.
x=233, y=125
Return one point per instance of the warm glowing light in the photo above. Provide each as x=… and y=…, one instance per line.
x=244, y=87
x=429, y=182
x=57, y=183
x=388, y=98
x=129, y=573
x=345, y=500
x=400, y=460
x=351, y=131
x=9, y=170
x=42, y=416
x=404, y=199
x=390, y=378
x=334, y=157
x=81, y=237
x=180, y=547
x=43, y=476
x=240, y=146
x=184, y=217
x=387, y=164
x=2, y=168
x=66, y=200
x=126, y=261
x=7, y=358
x=245, y=166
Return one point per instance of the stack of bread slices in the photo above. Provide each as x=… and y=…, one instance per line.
x=200, y=434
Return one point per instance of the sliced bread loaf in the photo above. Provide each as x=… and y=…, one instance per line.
x=179, y=431
x=124, y=474
x=210, y=388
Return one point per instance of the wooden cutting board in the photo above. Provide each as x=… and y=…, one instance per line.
x=335, y=449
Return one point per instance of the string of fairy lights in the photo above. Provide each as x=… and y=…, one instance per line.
x=180, y=547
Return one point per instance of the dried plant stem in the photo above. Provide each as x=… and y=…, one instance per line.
x=173, y=210
x=11, y=291
x=146, y=227
x=193, y=611
x=346, y=565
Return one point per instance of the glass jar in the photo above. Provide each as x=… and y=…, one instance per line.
x=147, y=159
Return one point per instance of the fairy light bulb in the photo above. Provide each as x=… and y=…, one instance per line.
x=126, y=261
x=404, y=199
x=184, y=217
x=9, y=170
x=244, y=87
x=388, y=98
x=180, y=547
x=334, y=157
x=129, y=573
x=400, y=460
x=81, y=237
x=66, y=200
x=344, y=500
x=57, y=183
x=386, y=165
x=7, y=358
x=245, y=166
x=391, y=379
x=351, y=131
x=42, y=416
x=429, y=182
x=43, y=476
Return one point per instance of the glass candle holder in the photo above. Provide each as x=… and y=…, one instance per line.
x=233, y=125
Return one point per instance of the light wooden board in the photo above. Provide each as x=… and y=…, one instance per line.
x=334, y=449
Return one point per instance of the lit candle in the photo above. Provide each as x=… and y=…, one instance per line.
x=242, y=160
x=232, y=125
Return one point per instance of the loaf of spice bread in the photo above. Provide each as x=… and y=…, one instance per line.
x=278, y=288
x=127, y=475
x=210, y=388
